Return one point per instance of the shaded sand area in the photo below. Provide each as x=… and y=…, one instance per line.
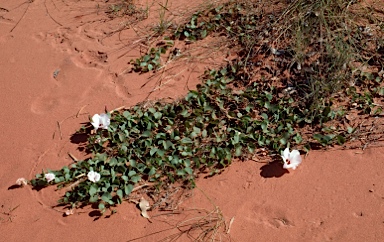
x=62, y=61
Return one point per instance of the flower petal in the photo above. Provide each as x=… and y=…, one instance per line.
x=286, y=153
x=105, y=121
x=295, y=157
x=50, y=177
x=93, y=176
x=284, y=159
x=290, y=166
x=96, y=121
x=97, y=177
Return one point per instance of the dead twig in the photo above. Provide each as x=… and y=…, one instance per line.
x=47, y=11
x=59, y=126
x=73, y=157
x=22, y=16
x=81, y=109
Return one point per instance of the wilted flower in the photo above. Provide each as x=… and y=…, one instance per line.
x=291, y=159
x=100, y=121
x=21, y=182
x=69, y=212
x=93, y=176
x=50, y=177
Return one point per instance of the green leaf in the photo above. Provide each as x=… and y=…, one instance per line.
x=153, y=151
x=186, y=140
x=93, y=199
x=106, y=197
x=152, y=171
x=92, y=189
x=119, y=193
x=180, y=172
x=196, y=130
x=128, y=189
x=298, y=139
x=265, y=116
x=203, y=34
x=283, y=141
x=193, y=135
x=131, y=173
x=168, y=144
x=150, y=67
x=127, y=114
x=238, y=151
x=101, y=207
x=146, y=58
x=161, y=153
x=269, y=96
x=135, y=178
x=340, y=139
x=146, y=134
x=185, y=113
x=350, y=130
x=235, y=140
x=157, y=115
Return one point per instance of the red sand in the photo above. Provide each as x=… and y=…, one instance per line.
x=333, y=195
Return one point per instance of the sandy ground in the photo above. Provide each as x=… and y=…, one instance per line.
x=58, y=67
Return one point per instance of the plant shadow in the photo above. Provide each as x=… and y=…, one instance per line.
x=81, y=139
x=14, y=187
x=273, y=169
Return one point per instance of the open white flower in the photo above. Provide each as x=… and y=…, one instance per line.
x=291, y=159
x=93, y=176
x=21, y=182
x=100, y=121
x=50, y=177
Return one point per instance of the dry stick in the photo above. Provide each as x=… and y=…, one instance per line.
x=54, y=4
x=30, y=1
x=59, y=126
x=81, y=109
x=118, y=109
x=59, y=123
x=46, y=9
x=230, y=224
x=45, y=205
x=76, y=183
x=139, y=187
x=73, y=157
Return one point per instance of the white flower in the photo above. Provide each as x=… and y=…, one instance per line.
x=291, y=159
x=100, y=121
x=50, y=177
x=21, y=182
x=93, y=176
x=69, y=212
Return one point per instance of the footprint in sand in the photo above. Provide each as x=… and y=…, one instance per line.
x=262, y=214
x=45, y=104
x=85, y=50
x=72, y=86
